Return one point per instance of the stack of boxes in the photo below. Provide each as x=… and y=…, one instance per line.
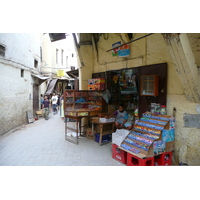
x=96, y=84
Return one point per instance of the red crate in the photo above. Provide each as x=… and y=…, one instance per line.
x=163, y=159
x=136, y=161
x=119, y=154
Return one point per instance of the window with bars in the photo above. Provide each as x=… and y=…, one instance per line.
x=35, y=63
x=66, y=61
x=62, y=53
x=2, y=50
x=57, y=56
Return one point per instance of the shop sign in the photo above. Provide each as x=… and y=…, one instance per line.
x=60, y=72
x=124, y=51
x=115, y=51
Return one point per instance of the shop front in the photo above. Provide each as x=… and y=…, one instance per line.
x=142, y=90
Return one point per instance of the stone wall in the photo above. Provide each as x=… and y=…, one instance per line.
x=16, y=82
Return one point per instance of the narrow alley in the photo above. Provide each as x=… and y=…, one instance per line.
x=42, y=143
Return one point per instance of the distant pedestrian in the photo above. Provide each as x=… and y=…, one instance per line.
x=62, y=106
x=58, y=102
x=41, y=101
x=54, y=100
x=49, y=98
x=46, y=104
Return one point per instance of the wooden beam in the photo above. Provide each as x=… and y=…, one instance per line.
x=184, y=62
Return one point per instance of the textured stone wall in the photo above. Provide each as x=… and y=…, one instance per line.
x=14, y=101
x=16, y=91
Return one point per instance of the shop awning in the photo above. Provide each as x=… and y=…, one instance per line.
x=51, y=86
x=41, y=78
x=73, y=74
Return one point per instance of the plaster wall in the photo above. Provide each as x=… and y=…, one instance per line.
x=153, y=50
x=16, y=90
x=86, y=71
x=49, y=63
x=15, y=98
x=22, y=48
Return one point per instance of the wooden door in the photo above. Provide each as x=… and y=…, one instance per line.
x=35, y=99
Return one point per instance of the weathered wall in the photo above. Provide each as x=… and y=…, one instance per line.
x=86, y=71
x=16, y=92
x=153, y=50
x=49, y=64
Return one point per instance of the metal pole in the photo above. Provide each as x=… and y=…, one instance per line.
x=131, y=41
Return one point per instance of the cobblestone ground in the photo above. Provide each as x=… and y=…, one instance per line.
x=42, y=143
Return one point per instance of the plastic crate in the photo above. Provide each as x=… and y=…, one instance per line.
x=105, y=138
x=119, y=154
x=136, y=161
x=163, y=159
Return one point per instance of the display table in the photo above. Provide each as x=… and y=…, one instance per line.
x=77, y=128
x=102, y=132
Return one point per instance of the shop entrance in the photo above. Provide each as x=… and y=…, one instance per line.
x=35, y=99
x=132, y=101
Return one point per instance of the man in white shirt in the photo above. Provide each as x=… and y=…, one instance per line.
x=54, y=100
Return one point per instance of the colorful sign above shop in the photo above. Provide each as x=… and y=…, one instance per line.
x=122, y=51
x=115, y=51
x=60, y=72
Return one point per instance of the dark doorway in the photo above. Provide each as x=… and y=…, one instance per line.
x=35, y=99
x=156, y=69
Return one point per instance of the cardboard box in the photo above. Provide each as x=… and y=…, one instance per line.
x=89, y=131
x=96, y=87
x=91, y=137
x=159, y=147
x=169, y=146
x=96, y=81
x=95, y=119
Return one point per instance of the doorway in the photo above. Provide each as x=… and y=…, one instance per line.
x=35, y=99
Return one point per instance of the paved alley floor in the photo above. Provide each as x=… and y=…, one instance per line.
x=42, y=143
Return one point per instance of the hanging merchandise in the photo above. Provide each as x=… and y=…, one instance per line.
x=106, y=96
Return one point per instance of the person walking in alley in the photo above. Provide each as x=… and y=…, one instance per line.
x=54, y=100
x=46, y=104
x=58, y=102
x=41, y=101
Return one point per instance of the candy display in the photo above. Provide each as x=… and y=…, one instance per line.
x=82, y=102
x=147, y=130
x=148, y=119
x=139, y=145
x=150, y=126
x=168, y=135
x=130, y=148
x=159, y=147
x=140, y=139
x=94, y=94
x=147, y=135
